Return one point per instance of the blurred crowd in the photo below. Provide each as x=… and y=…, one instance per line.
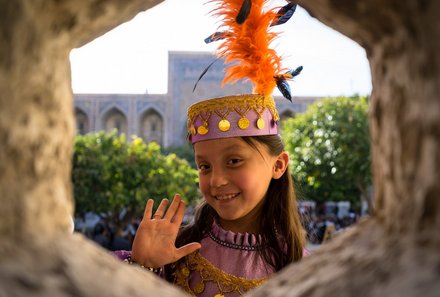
x=114, y=232
x=110, y=233
x=324, y=221
x=321, y=222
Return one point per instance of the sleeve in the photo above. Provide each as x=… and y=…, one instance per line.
x=122, y=255
x=126, y=255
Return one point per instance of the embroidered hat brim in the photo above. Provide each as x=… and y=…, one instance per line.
x=232, y=116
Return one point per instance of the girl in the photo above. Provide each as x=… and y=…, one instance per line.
x=247, y=228
x=248, y=225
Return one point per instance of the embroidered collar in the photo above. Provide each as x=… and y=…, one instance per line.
x=242, y=241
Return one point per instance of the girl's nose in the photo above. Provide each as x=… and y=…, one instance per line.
x=218, y=178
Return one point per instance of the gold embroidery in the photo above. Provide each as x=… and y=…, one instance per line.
x=241, y=104
x=225, y=282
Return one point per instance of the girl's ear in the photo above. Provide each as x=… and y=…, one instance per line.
x=280, y=165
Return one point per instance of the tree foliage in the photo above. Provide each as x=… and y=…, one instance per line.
x=184, y=152
x=329, y=148
x=110, y=173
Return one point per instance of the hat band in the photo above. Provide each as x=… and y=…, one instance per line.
x=233, y=116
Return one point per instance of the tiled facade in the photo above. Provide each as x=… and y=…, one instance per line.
x=162, y=117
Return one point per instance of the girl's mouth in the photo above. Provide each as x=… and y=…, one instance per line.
x=226, y=197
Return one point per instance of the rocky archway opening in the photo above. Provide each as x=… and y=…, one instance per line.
x=394, y=253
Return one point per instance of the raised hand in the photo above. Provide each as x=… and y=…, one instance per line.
x=154, y=243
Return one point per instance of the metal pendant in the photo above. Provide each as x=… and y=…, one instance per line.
x=243, y=123
x=202, y=130
x=260, y=123
x=224, y=125
x=192, y=130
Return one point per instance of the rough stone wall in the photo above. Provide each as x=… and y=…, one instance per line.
x=394, y=253
x=38, y=255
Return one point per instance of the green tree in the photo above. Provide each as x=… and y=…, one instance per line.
x=110, y=174
x=184, y=152
x=329, y=148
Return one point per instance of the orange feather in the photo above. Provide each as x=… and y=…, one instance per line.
x=246, y=50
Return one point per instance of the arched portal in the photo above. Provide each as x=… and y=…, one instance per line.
x=82, y=122
x=152, y=126
x=115, y=119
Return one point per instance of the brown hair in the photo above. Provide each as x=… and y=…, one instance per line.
x=280, y=226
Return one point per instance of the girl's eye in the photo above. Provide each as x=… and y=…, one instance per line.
x=203, y=167
x=234, y=161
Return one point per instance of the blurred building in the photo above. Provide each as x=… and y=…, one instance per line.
x=162, y=117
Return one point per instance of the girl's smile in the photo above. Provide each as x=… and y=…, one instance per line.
x=226, y=197
x=234, y=177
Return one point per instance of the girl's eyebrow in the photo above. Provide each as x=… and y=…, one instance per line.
x=231, y=148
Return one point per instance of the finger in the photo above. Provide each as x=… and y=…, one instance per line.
x=173, y=207
x=187, y=249
x=180, y=213
x=148, y=209
x=161, y=209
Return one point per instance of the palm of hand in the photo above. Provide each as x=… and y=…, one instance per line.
x=154, y=243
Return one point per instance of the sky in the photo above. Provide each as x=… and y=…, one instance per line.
x=133, y=57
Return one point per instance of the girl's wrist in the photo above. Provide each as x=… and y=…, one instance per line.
x=130, y=261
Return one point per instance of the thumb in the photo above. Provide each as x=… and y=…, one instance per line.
x=187, y=249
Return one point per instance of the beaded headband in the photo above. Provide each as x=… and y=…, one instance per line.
x=245, y=48
x=232, y=116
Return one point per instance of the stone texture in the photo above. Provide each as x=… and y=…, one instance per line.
x=38, y=256
x=394, y=253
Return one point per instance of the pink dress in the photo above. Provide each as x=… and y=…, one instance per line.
x=228, y=264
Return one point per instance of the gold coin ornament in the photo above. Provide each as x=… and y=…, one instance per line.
x=185, y=271
x=199, y=288
x=243, y=123
x=192, y=130
x=224, y=125
x=260, y=123
x=202, y=130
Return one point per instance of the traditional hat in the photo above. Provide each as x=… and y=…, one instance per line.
x=246, y=37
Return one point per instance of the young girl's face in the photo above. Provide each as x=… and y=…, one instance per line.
x=234, y=178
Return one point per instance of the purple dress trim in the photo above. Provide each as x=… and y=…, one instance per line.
x=122, y=255
x=240, y=241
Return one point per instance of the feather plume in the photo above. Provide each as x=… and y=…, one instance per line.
x=284, y=14
x=246, y=49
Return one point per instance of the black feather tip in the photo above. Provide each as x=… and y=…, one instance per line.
x=284, y=87
x=216, y=36
x=284, y=14
x=295, y=72
x=244, y=11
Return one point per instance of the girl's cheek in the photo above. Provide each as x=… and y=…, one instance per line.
x=203, y=185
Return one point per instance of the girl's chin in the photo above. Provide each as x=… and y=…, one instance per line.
x=229, y=217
